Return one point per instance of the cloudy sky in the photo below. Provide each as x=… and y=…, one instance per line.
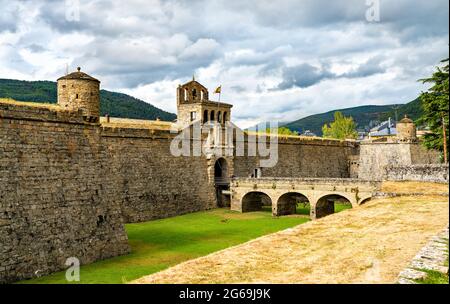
x=276, y=60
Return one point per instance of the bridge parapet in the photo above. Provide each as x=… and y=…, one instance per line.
x=306, y=180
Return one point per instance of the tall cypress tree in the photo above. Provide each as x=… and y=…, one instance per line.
x=435, y=104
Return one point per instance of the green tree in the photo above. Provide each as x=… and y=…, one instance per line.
x=435, y=105
x=281, y=131
x=341, y=128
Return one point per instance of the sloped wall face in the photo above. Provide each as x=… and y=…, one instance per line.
x=437, y=173
x=153, y=183
x=56, y=201
x=375, y=157
x=297, y=158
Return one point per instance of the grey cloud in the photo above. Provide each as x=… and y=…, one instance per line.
x=36, y=48
x=306, y=75
x=371, y=67
x=411, y=19
x=9, y=14
x=307, y=13
x=238, y=89
x=130, y=65
x=9, y=57
x=302, y=76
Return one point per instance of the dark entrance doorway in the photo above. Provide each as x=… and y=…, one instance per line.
x=222, y=182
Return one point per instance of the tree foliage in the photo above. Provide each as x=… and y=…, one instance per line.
x=435, y=103
x=281, y=131
x=284, y=131
x=341, y=128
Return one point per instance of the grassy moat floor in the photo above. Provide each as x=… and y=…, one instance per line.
x=160, y=244
x=368, y=244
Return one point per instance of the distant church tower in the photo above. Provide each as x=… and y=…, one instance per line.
x=193, y=105
x=79, y=91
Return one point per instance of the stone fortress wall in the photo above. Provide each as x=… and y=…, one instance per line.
x=56, y=198
x=301, y=157
x=403, y=150
x=70, y=179
x=375, y=157
x=152, y=183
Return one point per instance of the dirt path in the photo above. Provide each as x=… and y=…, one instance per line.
x=369, y=244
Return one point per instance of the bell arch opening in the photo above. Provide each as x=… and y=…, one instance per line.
x=219, y=117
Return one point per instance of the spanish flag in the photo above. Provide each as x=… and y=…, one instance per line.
x=218, y=90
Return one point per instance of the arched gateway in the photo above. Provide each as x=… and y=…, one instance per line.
x=222, y=182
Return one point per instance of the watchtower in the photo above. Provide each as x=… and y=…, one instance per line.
x=79, y=91
x=406, y=130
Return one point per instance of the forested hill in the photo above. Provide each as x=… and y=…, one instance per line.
x=112, y=103
x=362, y=115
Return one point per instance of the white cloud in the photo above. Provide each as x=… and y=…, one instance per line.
x=147, y=48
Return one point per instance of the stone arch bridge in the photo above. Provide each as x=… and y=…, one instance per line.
x=283, y=194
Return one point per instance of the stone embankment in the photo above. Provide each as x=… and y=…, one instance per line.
x=434, y=256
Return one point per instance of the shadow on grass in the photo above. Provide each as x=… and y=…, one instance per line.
x=305, y=209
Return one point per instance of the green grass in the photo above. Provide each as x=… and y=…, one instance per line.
x=159, y=244
x=433, y=277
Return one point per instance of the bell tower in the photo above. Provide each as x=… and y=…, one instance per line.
x=193, y=105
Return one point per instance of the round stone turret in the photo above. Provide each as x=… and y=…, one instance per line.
x=79, y=91
x=406, y=130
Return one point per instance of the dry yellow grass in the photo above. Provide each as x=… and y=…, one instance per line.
x=409, y=187
x=49, y=106
x=369, y=244
x=136, y=123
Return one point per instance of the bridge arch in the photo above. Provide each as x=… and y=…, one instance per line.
x=365, y=200
x=326, y=204
x=254, y=201
x=287, y=203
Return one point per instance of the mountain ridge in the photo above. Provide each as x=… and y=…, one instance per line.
x=365, y=116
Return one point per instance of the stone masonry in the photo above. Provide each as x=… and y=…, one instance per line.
x=56, y=200
x=70, y=179
x=437, y=173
